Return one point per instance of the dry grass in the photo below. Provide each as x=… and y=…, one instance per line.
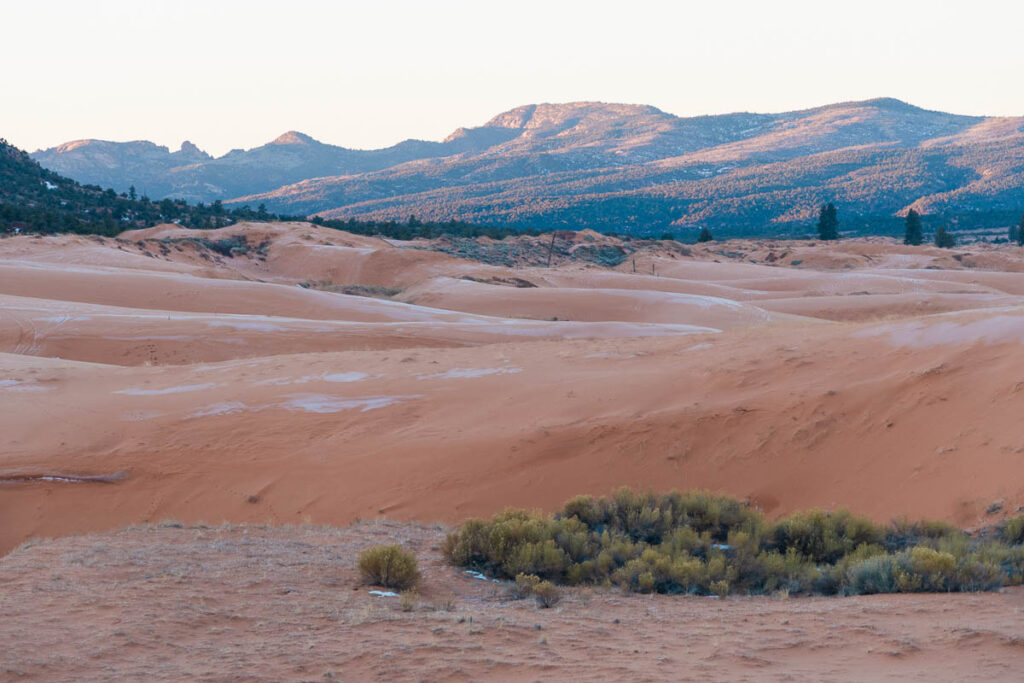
x=220, y=603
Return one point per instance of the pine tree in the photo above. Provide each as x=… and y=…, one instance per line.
x=705, y=236
x=828, y=223
x=944, y=239
x=1020, y=232
x=913, y=234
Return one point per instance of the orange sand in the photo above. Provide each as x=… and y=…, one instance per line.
x=872, y=376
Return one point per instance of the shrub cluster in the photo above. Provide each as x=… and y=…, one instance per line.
x=702, y=543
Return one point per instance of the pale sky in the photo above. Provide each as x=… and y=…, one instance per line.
x=227, y=74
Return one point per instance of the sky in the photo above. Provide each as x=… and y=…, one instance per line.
x=227, y=74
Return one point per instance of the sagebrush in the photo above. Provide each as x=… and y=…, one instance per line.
x=708, y=544
x=391, y=566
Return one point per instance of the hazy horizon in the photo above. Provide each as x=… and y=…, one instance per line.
x=237, y=75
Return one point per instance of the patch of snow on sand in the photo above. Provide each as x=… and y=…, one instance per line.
x=280, y=381
x=243, y=325
x=61, y=319
x=384, y=594
x=464, y=373
x=169, y=390
x=141, y=415
x=320, y=403
x=330, y=377
x=998, y=329
x=345, y=377
x=597, y=330
x=478, y=575
x=222, y=408
x=21, y=385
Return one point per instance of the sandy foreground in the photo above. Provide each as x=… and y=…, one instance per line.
x=317, y=378
x=286, y=604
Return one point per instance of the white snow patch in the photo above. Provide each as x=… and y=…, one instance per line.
x=21, y=385
x=615, y=356
x=61, y=319
x=478, y=575
x=384, y=594
x=998, y=329
x=320, y=403
x=464, y=373
x=279, y=381
x=345, y=377
x=222, y=408
x=243, y=325
x=169, y=390
x=330, y=377
x=141, y=415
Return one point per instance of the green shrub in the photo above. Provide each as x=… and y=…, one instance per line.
x=825, y=536
x=700, y=543
x=1013, y=530
x=524, y=585
x=873, y=575
x=547, y=594
x=391, y=566
x=409, y=601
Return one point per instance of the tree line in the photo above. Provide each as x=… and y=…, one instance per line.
x=828, y=229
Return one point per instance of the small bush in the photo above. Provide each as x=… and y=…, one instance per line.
x=524, y=585
x=445, y=603
x=391, y=566
x=409, y=600
x=547, y=594
x=1013, y=530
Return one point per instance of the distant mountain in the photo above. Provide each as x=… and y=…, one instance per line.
x=37, y=200
x=194, y=175
x=620, y=167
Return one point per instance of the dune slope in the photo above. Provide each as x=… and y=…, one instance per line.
x=213, y=387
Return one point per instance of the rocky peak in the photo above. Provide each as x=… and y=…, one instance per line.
x=293, y=137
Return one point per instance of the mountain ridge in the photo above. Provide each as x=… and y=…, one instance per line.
x=612, y=166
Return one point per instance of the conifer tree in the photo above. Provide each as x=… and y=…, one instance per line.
x=944, y=239
x=1020, y=232
x=828, y=223
x=913, y=233
x=705, y=236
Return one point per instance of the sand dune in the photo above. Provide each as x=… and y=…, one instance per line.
x=212, y=387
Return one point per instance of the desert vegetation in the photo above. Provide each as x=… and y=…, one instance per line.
x=390, y=566
x=701, y=543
